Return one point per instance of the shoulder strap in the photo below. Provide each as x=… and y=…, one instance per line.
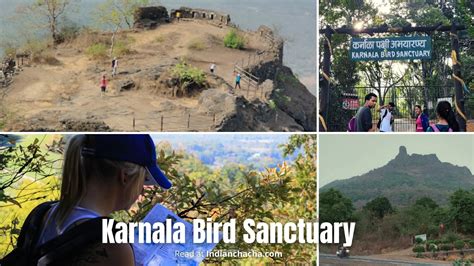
x=386, y=113
x=435, y=128
x=72, y=242
x=29, y=235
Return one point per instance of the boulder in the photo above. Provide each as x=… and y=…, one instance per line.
x=126, y=85
x=150, y=17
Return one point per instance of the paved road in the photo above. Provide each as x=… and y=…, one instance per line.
x=325, y=259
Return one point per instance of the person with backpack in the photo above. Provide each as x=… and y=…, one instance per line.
x=386, y=117
x=101, y=174
x=362, y=121
x=422, y=120
x=446, y=119
x=114, y=66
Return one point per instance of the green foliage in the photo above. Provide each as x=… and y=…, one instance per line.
x=462, y=262
x=97, y=51
x=187, y=74
x=446, y=247
x=419, y=249
x=283, y=193
x=471, y=243
x=379, y=207
x=118, y=13
x=451, y=237
x=234, y=40
x=459, y=244
x=432, y=247
x=462, y=210
x=426, y=202
x=26, y=179
x=277, y=194
x=418, y=240
x=121, y=48
x=335, y=207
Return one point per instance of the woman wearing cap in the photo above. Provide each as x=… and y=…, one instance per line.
x=101, y=174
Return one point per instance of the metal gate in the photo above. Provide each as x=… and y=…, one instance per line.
x=348, y=100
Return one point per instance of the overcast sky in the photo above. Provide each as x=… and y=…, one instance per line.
x=345, y=156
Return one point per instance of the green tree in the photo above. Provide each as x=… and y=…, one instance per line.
x=281, y=194
x=462, y=210
x=115, y=14
x=334, y=207
x=426, y=202
x=379, y=207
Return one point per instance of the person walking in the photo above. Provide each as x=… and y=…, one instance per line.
x=422, y=120
x=114, y=66
x=364, y=115
x=103, y=85
x=237, y=81
x=386, y=117
x=446, y=119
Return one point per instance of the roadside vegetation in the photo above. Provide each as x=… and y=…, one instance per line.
x=383, y=227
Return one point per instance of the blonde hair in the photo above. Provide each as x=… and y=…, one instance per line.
x=77, y=171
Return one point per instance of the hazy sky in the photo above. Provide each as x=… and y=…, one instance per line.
x=345, y=156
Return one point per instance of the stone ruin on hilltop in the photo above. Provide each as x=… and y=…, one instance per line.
x=152, y=16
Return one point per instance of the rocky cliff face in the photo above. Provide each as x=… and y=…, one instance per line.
x=405, y=179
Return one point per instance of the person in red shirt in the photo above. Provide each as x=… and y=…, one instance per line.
x=103, y=85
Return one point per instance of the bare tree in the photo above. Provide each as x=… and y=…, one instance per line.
x=50, y=13
x=382, y=77
x=115, y=14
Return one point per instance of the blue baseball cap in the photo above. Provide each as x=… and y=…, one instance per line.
x=138, y=149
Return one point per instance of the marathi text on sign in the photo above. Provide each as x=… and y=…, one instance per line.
x=390, y=48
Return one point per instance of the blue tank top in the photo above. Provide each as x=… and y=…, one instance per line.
x=52, y=230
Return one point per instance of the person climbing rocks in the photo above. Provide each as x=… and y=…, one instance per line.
x=114, y=66
x=237, y=81
x=103, y=85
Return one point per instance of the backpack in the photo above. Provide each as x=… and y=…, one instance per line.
x=436, y=129
x=57, y=250
x=352, y=125
x=380, y=119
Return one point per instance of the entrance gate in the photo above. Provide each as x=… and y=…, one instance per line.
x=456, y=93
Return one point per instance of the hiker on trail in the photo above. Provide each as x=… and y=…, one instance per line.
x=212, y=68
x=446, y=119
x=422, y=120
x=103, y=85
x=114, y=66
x=386, y=117
x=178, y=15
x=101, y=174
x=364, y=115
x=237, y=81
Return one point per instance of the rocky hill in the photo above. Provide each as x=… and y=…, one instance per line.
x=62, y=93
x=406, y=178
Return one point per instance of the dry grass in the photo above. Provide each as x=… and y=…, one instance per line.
x=45, y=58
x=197, y=45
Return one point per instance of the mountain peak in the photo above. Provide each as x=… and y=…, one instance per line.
x=402, y=151
x=406, y=178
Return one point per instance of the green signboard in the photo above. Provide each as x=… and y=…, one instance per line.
x=390, y=48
